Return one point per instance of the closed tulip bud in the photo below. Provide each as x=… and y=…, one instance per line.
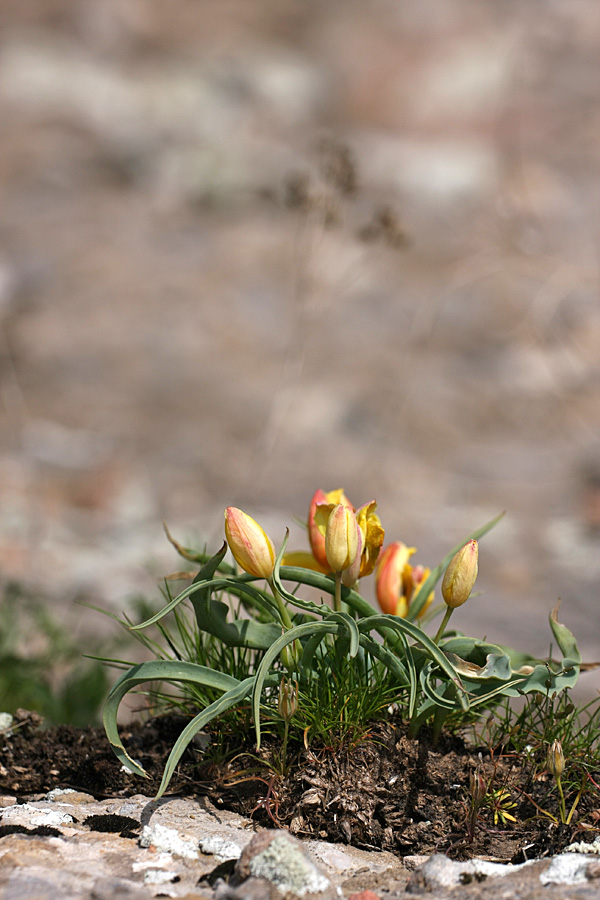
x=251, y=546
x=287, y=702
x=351, y=575
x=343, y=539
x=556, y=759
x=317, y=521
x=460, y=576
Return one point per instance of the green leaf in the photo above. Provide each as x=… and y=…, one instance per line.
x=385, y=656
x=477, y=659
x=327, y=584
x=212, y=585
x=350, y=629
x=211, y=565
x=229, y=699
x=211, y=616
x=299, y=631
x=156, y=670
x=564, y=638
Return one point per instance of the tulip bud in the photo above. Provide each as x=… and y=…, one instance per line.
x=351, y=575
x=251, y=546
x=287, y=701
x=477, y=788
x=342, y=538
x=556, y=759
x=316, y=527
x=460, y=576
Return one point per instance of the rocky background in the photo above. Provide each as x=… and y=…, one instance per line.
x=251, y=249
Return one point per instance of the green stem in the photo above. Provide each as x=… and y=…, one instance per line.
x=337, y=598
x=291, y=654
x=286, y=620
x=442, y=628
x=286, y=729
x=563, y=813
x=576, y=801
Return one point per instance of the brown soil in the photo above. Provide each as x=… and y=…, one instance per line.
x=387, y=792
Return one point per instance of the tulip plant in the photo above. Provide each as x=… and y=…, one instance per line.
x=294, y=646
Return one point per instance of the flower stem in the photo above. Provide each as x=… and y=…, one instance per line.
x=286, y=730
x=442, y=628
x=292, y=653
x=563, y=811
x=337, y=600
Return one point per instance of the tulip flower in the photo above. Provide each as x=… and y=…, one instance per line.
x=460, y=576
x=419, y=576
x=397, y=582
x=343, y=538
x=252, y=548
x=458, y=581
x=391, y=578
x=303, y=559
x=316, y=529
x=372, y=536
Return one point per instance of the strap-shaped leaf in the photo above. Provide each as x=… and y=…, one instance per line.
x=209, y=568
x=326, y=584
x=319, y=609
x=395, y=623
x=229, y=699
x=213, y=585
x=428, y=675
x=288, y=637
x=156, y=670
x=350, y=628
x=211, y=616
x=385, y=656
x=477, y=659
x=432, y=579
x=564, y=638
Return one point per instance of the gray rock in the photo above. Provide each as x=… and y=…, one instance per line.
x=279, y=859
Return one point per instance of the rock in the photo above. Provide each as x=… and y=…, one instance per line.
x=278, y=859
x=185, y=848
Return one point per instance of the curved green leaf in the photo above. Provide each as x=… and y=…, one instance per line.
x=395, y=623
x=156, y=670
x=477, y=659
x=350, y=628
x=211, y=616
x=232, y=697
x=564, y=638
x=299, y=631
x=213, y=585
x=385, y=656
x=327, y=584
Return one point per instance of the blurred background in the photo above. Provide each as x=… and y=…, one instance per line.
x=252, y=249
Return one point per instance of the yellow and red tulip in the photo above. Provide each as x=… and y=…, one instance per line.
x=250, y=545
x=460, y=576
x=317, y=523
x=393, y=578
x=372, y=537
x=343, y=539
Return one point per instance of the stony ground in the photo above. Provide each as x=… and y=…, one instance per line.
x=204, y=302
x=384, y=793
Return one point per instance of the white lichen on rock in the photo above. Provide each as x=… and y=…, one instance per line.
x=167, y=840
x=286, y=866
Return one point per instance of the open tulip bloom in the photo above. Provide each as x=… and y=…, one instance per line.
x=248, y=631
